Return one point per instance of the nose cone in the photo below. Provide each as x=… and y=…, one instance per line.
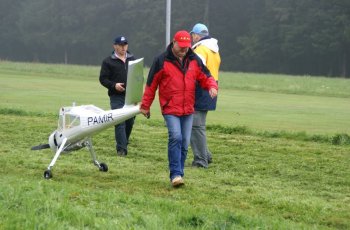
x=52, y=141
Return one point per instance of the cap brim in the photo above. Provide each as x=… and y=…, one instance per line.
x=184, y=44
x=121, y=43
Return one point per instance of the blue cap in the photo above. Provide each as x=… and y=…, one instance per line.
x=200, y=29
x=120, y=40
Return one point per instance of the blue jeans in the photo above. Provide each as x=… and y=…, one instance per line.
x=179, y=134
x=123, y=130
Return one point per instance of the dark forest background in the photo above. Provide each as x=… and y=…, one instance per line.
x=307, y=37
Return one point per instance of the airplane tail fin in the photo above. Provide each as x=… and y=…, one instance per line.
x=134, y=86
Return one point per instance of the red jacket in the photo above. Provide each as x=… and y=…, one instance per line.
x=176, y=83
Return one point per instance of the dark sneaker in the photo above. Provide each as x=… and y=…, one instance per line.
x=210, y=160
x=197, y=165
x=177, y=181
x=121, y=153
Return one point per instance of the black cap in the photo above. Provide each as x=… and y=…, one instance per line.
x=120, y=40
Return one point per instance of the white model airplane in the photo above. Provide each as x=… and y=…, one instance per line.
x=77, y=124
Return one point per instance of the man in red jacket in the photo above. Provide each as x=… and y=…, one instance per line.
x=175, y=72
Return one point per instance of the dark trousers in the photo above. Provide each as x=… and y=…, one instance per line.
x=123, y=130
x=201, y=153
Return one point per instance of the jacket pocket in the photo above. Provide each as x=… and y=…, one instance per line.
x=166, y=103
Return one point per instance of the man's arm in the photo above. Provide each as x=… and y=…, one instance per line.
x=104, y=76
x=150, y=88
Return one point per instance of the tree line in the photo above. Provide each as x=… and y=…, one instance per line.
x=307, y=37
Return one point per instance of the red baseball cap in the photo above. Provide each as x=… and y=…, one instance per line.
x=183, y=38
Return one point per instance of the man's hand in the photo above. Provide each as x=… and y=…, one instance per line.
x=213, y=92
x=119, y=87
x=146, y=113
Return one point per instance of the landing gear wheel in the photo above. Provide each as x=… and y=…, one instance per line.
x=47, y=174
x=103, y=167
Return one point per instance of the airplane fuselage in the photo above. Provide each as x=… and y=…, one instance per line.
x=90, y=124
x=100, y=119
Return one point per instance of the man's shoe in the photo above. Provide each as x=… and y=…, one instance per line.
x=210, y=160
x=197, y=165
x=121, y=153
x=177, y=181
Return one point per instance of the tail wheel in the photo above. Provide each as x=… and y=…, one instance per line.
x=103, y=167
x=48, y=174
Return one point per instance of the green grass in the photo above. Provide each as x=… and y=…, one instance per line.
x=262, y=177
x=305, y=85
x=255, y=182
x=278, y=111
x=259, y=102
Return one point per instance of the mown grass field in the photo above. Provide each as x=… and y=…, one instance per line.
x=281, y=157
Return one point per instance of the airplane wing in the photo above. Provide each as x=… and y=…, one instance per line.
x=134, y=86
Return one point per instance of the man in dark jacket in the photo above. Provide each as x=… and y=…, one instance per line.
x=175, y=72
x=113, y=76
